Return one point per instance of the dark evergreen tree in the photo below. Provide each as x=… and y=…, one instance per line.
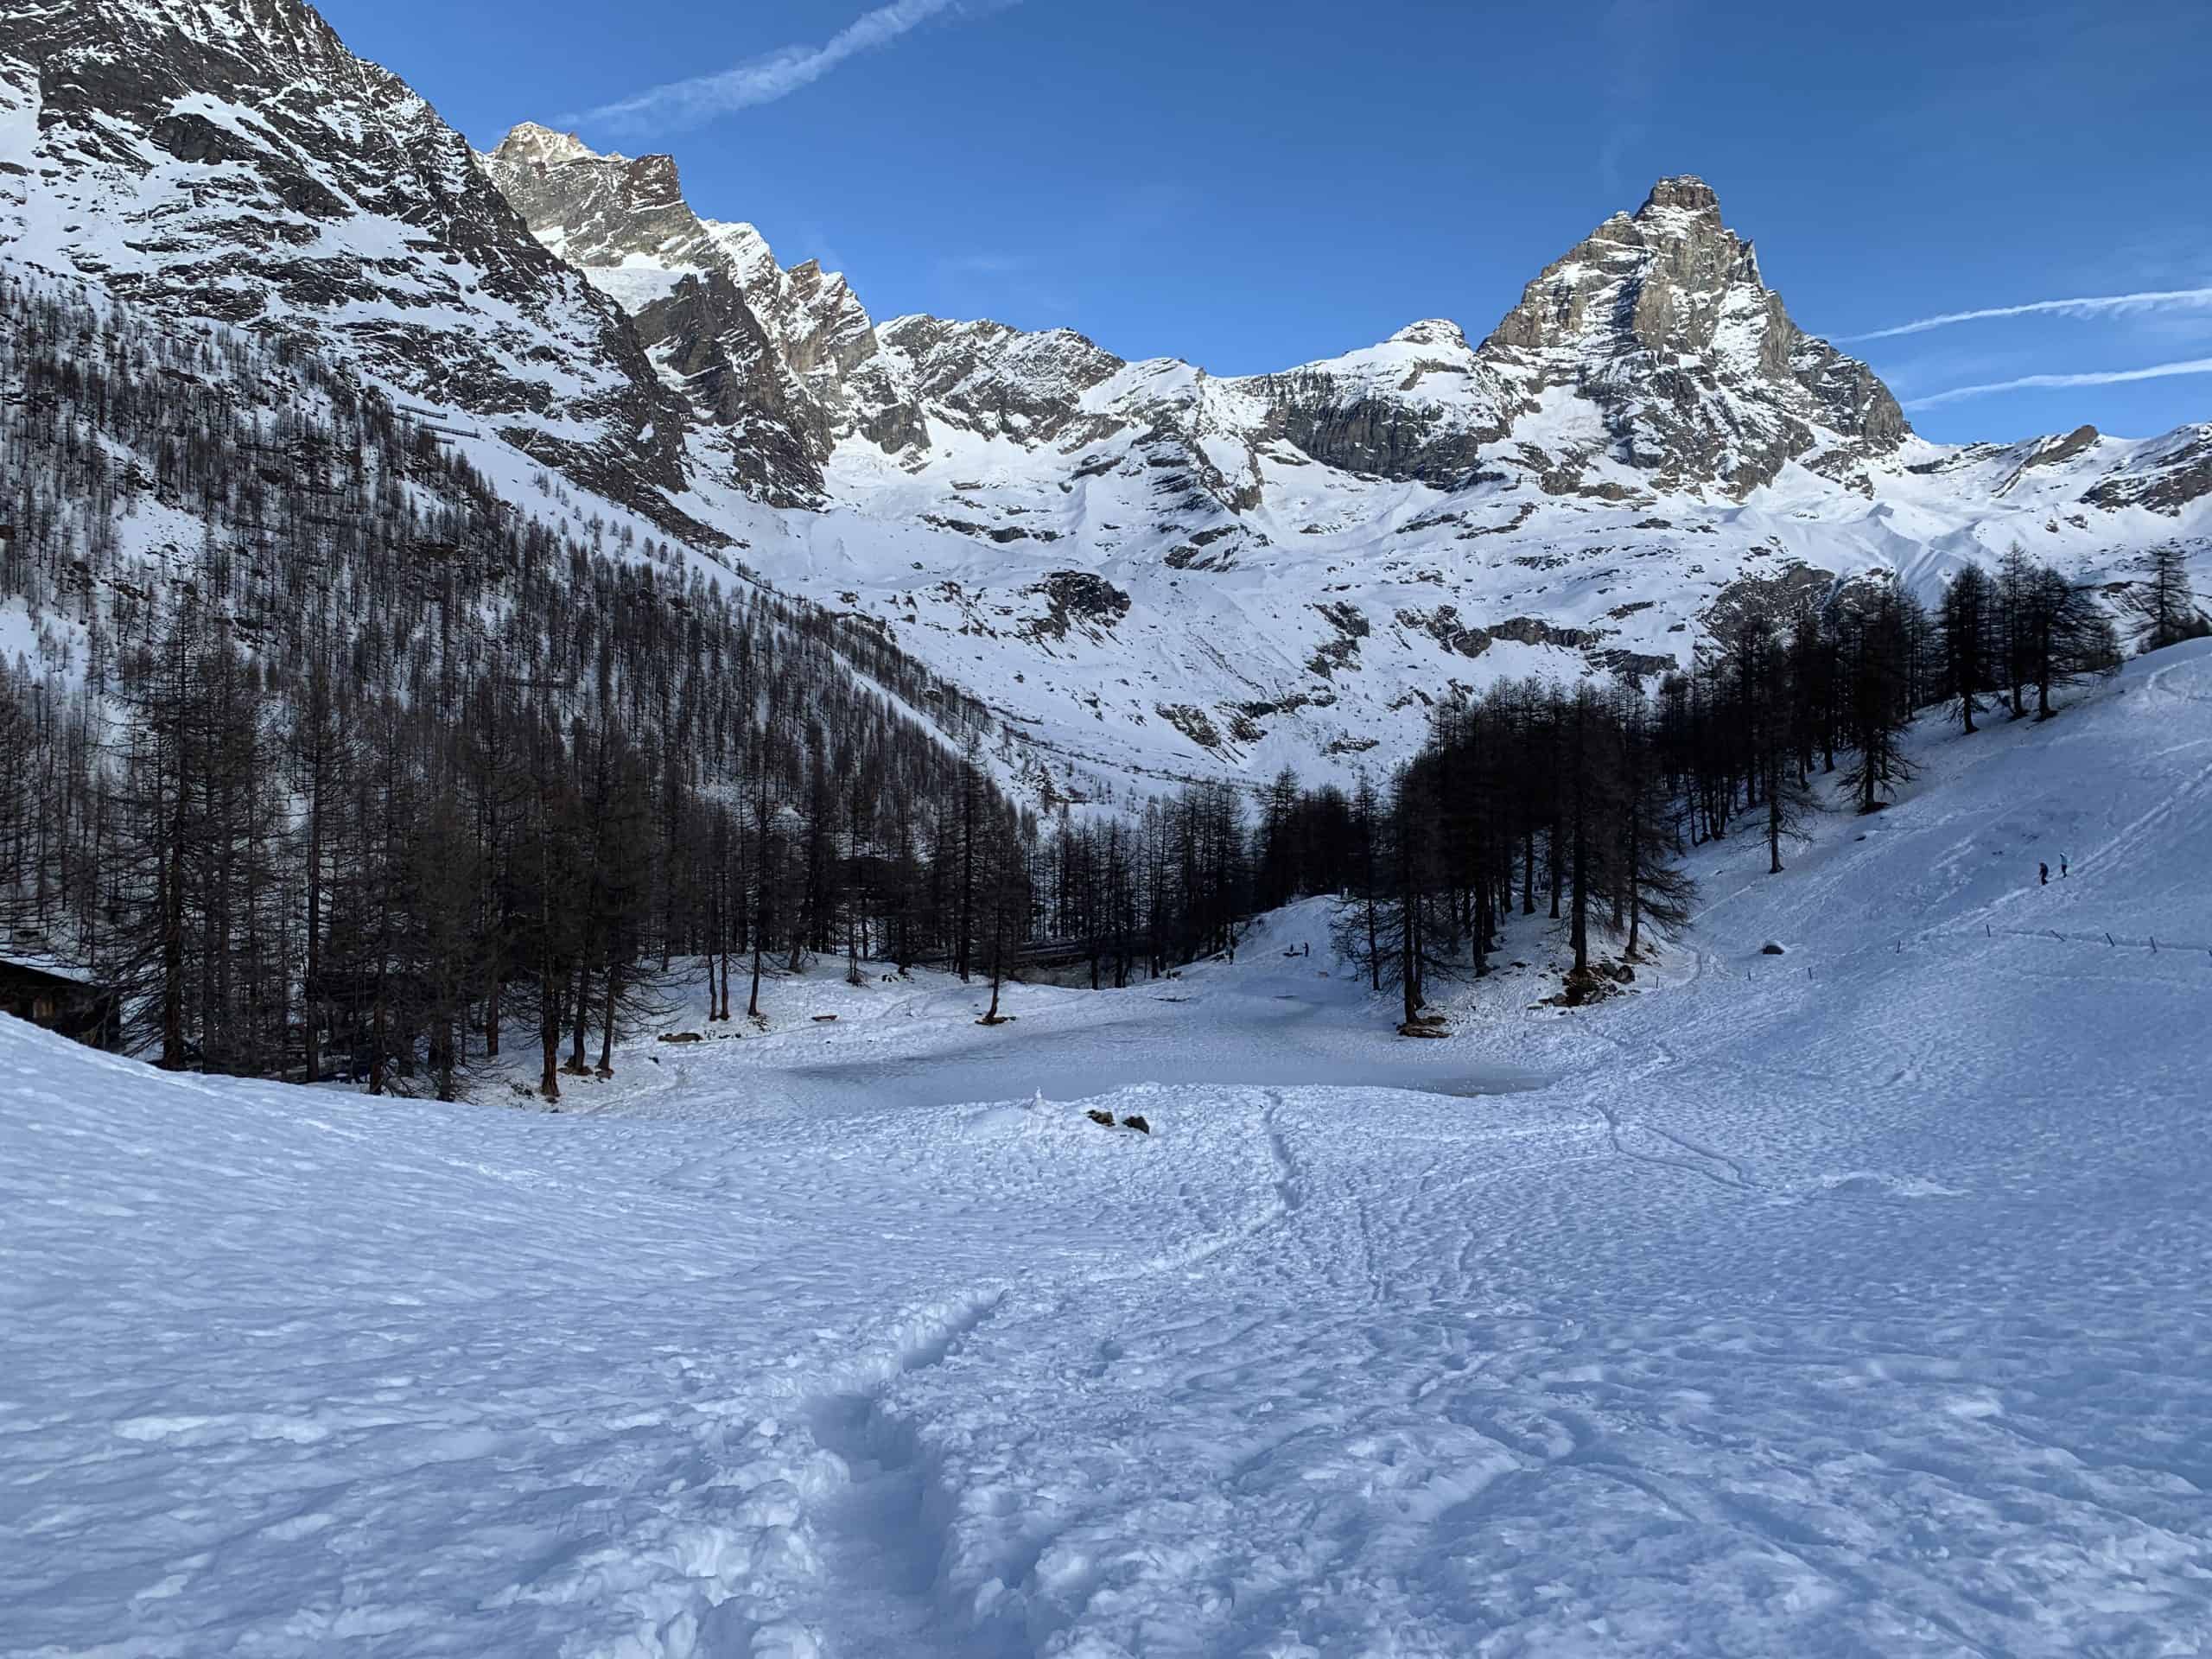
x=2169, y=608
x=1965, y=620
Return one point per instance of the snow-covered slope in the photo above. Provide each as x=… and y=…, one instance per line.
x=232, y=161
x=1161, y=571
x=1844, y=1301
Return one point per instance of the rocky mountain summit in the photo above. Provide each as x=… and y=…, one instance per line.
x=765, y=357
x=1660, y=320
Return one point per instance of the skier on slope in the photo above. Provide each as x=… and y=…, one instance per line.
x=2044, y=872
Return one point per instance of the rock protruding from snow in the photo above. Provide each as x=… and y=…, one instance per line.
x=1422, y=406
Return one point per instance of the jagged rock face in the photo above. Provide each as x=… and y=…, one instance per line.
x=1662, y=320
x=999, y=381
x=823, y=333
x=622, y=223
x=230, y=159
x=1420, y=406
x=2174, y=473
x=626, y=226
x=766, y=353
x=708, y=345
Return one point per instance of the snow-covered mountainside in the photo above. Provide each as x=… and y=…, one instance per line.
x=233, y=161
x=763, y=356
x=1839, y=1302
x=1146, y=570
x=1162, y=570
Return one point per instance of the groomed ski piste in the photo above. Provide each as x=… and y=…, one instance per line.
x=1850, y=1300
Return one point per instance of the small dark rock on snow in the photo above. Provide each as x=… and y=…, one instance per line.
x=1770, y=949
x=1104, y=1118
x=1134, y=1122
x=1584, y=986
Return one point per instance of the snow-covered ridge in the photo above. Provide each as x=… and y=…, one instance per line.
x=762, y=353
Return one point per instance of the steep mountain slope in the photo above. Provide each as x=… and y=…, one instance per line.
x=232, y=161
x=761, y=355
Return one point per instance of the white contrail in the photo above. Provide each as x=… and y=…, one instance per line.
x=2099, y=378
x=772, y=75
x=2093, y=305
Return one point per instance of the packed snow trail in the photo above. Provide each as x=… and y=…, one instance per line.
x=1844, y=1301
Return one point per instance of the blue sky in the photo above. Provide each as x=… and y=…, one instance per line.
x=1251, y=185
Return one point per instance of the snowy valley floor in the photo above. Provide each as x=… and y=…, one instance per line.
x=1854, y=1301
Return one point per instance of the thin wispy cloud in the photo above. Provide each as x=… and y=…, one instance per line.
x=775, y=74
x=2099, y=378
x=2094, y=305
x=985, y=264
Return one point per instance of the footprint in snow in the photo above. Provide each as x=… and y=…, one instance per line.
x=1871, y=1183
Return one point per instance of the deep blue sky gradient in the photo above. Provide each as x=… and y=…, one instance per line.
x=1251, y=185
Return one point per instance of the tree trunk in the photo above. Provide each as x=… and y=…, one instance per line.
x=607, y=1028
x=549, y=1031
x=311, y=1036
x=580, y=1024
x=1774, y=817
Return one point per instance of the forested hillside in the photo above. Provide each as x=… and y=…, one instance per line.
x=325, y=755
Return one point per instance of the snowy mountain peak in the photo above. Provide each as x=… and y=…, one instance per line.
x=763, y=354
x=1685, y=193
x=1143, y=568
x=1699, y=377
x=1431, y=331
x=538, y=146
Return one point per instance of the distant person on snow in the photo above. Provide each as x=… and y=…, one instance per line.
x=2044, y=870
x=2062, y=866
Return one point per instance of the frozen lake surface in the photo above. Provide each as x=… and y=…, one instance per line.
x=1320, y=1034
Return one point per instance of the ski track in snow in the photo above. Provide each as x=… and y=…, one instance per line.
x=1847, y=1302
